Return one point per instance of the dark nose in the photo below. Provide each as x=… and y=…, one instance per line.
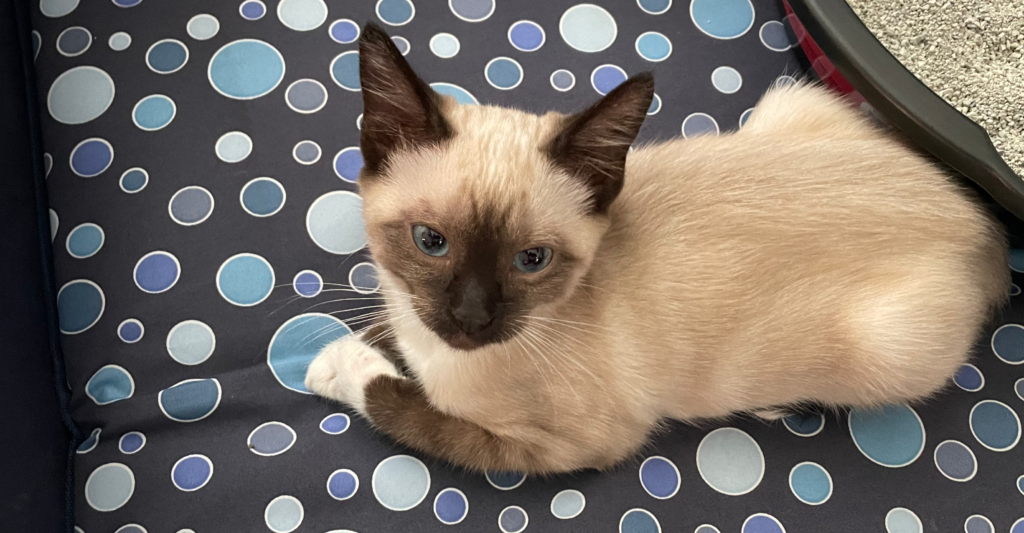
x=473, y=307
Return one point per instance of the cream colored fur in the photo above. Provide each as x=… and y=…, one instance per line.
x=807, y=257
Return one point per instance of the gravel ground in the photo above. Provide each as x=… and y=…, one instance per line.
x=970, y=52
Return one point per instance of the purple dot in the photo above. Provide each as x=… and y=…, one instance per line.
x=606, y=78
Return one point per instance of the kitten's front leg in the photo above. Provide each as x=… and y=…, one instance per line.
x=343, y=369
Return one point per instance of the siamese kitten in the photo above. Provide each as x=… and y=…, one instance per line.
x=550, y=298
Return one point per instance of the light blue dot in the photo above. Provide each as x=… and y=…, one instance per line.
x=730, y=461
x=109, y=487
x=272, y=438
x=79, y=95
x=37, y=44
x=85, y=240
x=308, y=283
x=451, y=506
x=110, y=384
x=363, y=278
x=335, y=222
x=54, y=224
x=131, y=442
x=131, y=331
x=344, y=31
x=804, y=426
x=80, y=304
x=191, y=206
x=654, y=7
x=154, y=112
x=472, y=10
x=252, y=10
x=348, y=163
x=503, y=73
x=1016, y=256
x=774, y=36
x=297, y=342
x=762, y=523
x=891, y=435
x=727, y=80
x=119, y=41
x=444, y=45
x=810, y=483
x=706, y=528
x=655, y=105
x=302, y=15
x=588, y=28
x=157, y=272
x=745, y=116
x=400, y=482
x=192, y=472
x=460, y=95
x=505, y=480
x=202, y=27
x=969, y=378
x=245, y=279
x=167, y=56
x=955, y=460
x=191, y=342
x=342, y=484
x=526, y=35
x=696, y=124
x=233, y=146
x=563, y=80
x=284, y=514
x=90, y=443
x=1008, y=343
x=659, y=477
x=127, y=3
x=900, y=520
x=568, y=504
x=190, y=400
x=995, y=425
x=722, y=19
x=653, y=46
x=246, y=69
x=606, y=78
x=263, y=197
x=639, y=521
x=345, y=70
x=91, y=157
x=395, y=12
x=335, y=424
x=513, y=519
x=57, y=8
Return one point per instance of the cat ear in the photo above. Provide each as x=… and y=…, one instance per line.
x=592, y=145
x=400, y=111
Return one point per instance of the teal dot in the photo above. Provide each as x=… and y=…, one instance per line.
x=1008, y=343
x=810, y=483
x=653, y=46
x=297, y=342
x=134, y=180
x=85, y=240
x=504, y=73
x=639, y=521
x=190, y=400
x=245, y=279
x=246, y=69
x=154, y=112
x=722, y=19
x=80, y=304
x=995, y=425
x=345, y=70
x=167, y=56
x=395, y=12
x=460, y=95
x=891, y=435
x=263, y=197
x=110, y=384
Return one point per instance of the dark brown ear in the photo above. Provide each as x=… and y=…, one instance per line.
x=400, y=111
x=592, y=145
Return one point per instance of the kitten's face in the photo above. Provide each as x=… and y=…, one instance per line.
x=485, y=216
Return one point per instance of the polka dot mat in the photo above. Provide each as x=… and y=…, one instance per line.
x=203, y=169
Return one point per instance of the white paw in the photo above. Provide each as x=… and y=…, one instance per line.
x=770, y=414
x=342, y=370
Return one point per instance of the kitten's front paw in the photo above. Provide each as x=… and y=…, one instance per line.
x=343, y=369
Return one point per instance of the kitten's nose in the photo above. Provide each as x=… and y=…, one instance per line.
x=474, y=308
x=473, y=321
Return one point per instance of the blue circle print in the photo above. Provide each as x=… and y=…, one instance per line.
x=774, y=36
x=131, y=331
x=308, y=283
x=80, y=304
x=444, y=45
x=505, y=480
x=90, y=443
x=302, y=15
x=1008, y=343
x=252, y=10
x=978, y=524
x=460, y=95
x=191, y=206
x=284, y=514
x=995, y=425
x=363, y=278
x=696, y=124
x=345, y=70
x=157, y=272
x=810, y=483
x=639, y=521
x=154, y=112
x=451, y=506
x=1016, y=258
x=730, y=461
x=969, y=378
x=472, y=10
x=348, y=163
x=131, y=442
x=400, y=482
x=513, y=519
x=191, y=342
x=134, y=180
x=655, y=105
x=109, y=487
x=306, y=96
x=245, y=279
x=654, y=7
x=110, y=384
x=901, y=520
x=402, y=44
x=344, y=31
x=653, y=46
x=605, y=78
x=745, y=116
x=955, y=460
x=296, y=343
x=79, y=95
x=1018, y=526
x=563, y=80
x=722, y=19
x=335, y=424
x=335, y=222
x=891, y=435
x=1018, y=387
x=306, y=152
x=192, y=472
x=262, y=197
x=85, y=240
x=727, y=80
x=167, y=56
x=91, y=157
x=526, y=35
x=588, y=28
x=568, y=504
x=272, y=438
x=762, y=523
x=342, y=484
x=395, y=12
x=57, y=8
x=503, y=73
x=660, y=477
x=190, y=400
x=804, y=425
x=246, y=69
x=127, y=3
x=74, y=41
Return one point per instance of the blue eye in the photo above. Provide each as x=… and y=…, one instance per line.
x=429, y=241
x=533, y=260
